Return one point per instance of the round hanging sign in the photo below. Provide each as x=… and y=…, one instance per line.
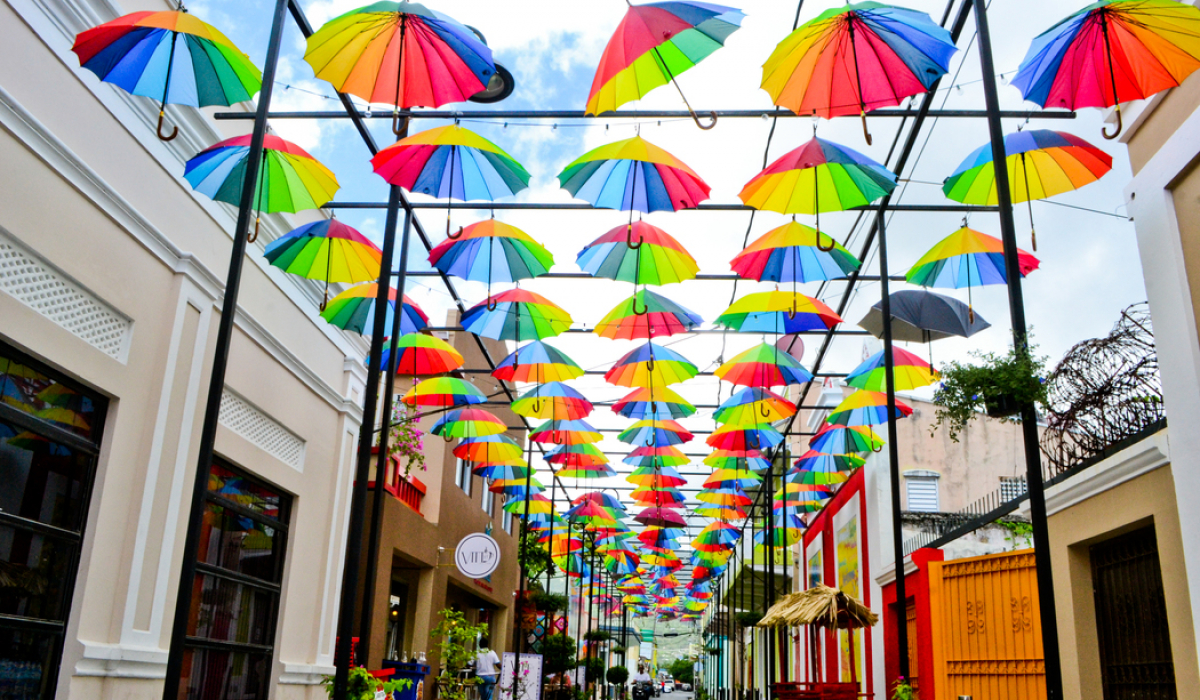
x=477, y=555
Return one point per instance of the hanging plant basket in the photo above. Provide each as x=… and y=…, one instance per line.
x=997, y=385
x=1001, y=406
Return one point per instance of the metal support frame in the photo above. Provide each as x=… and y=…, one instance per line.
x=502, y=115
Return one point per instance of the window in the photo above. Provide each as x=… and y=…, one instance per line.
x=235, y=598
x=489, y=502
x=49, y=438
x=921, y=487
x=506, y=518
x=1012, y=487
x=462, y=476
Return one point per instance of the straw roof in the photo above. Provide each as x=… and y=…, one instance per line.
x=821, y=606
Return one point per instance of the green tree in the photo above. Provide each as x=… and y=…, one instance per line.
x=558, y=654
x=681, y=670
x=458, y=650
x=533, y=555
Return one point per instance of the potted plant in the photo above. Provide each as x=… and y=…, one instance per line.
x=457, y=646
x=597, y=635
x=617, y=676
x=558, y=657
x=748, y=618
x=998, y=384
x=549, y=602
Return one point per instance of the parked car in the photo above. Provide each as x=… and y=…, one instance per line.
x=668, y=686
x=686, y=687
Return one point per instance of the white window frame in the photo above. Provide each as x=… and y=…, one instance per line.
x=924, y=477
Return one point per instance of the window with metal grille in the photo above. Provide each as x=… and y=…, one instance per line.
x=1012, y=487
x=50, y=432
x=462, y=476
x=235, y=598
x=922, y=494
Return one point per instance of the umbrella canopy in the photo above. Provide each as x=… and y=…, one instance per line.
x=822, y=606
x=741, y=460
x=650, y=365
x=822, y=463
x=354, y=310
x=515, y=489
x=661, y=455
x=565, y=432
x=326, y=250
x=501, y=472
x=722, y=513
x=857, y=58
x=638, y=253
x=716, y=536
x=753, y=405
x=729, y=496
x=654, y=43
x=920, y=316
x=764, y=366
x=732, y=437
x=468, y=423
x=451, y=162
x=633, y=175
x=537, y=362
x=910, y=372
x=552, y=401
x=658, y=402
x=841, y=439
x=516, y=314
x=172, y=57
x=420, y=354
x=491, y=251
x=571, y=469
x=729, y=477
x=646, y=315
x=661, y=477
x=794, y=253
x=778, y=312
x=967, y=258
x=1110, y=52
x=443, y=392
x=658, y=497
x=402, y=54
x=818, y=176
x=579, y=455
x=488, y=448
x=865, y=408
x=655, y=433
x=663, y=517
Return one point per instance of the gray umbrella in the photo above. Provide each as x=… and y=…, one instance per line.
x=920, y=317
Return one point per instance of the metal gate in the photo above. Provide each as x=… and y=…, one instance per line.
x=1131, y=619
x=987, y=638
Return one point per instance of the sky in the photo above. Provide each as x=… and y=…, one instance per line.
x=1089, y=262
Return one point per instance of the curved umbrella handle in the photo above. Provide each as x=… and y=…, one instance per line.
x=453, y=236
x=629, y=238
x=650, y=440
x=763, y=410
x=399, y=126
x=644, y=309
x=491, y=303
x=866, y=133
x=174, y=129
x=823, y=249
x=1120, y=125
x=324, y=301
x=792, y=312
x=537, y=405
x=650, y=364
x=254, y=236
x=877, y=449
x=706, y=127
x=448, y=438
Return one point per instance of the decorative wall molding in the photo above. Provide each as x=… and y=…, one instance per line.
x=121, y=661
x=304, y=674
x=261, y=430
x=1128, y=464
x=35, y=282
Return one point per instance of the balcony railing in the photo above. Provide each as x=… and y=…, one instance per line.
x=407, y=489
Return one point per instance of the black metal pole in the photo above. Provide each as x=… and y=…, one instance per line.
x=518, y=635
x=769, y=596
x=377, y=504
x=1016, y=303
x=216, y=382
x=889, y=365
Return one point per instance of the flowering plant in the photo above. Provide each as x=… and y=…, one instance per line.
x=405, y=439
x=902, y=690
x=1000, y=384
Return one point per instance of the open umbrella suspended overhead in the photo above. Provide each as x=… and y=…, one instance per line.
x=552, y=401
x=655, y=433
x=650, y=365
x=420, y=354
x=488, y=448
x=658, y=497
x=661, y=477
x=658, y=402
x=661, y=455
x=289, y=180
x=326, y=250
x=741, y=460
x=921, y=316
x=778, y=312
x=1110, y=52
x=170, y=56
x=654, y=43
x=857, y=58
x=764, y=366
x=967, y=258
x=865, y=408
x=729, y=477
x=753, y=405
x=814, y=462
x=794, y=253
x=537, y=362
x=443, y=392
x=646, y=315
x=491, y=251
x=910, y=372
x=566, y=432
x=468, y=423
x=732, y=437
x=354, y=310
x=516, y=314
x=633, y=175
x=1041, y=163
x=638, y=253
x=841, y=439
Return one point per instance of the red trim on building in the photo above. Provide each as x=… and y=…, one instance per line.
x=916, y=587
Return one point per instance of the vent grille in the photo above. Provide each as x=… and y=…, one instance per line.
x=263, y=432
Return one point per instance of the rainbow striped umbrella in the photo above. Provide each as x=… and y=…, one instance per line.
x=723, y=513
x=657, y=402
x=650, y=365
x=570, y=469
x=780, y=536
x=967, y=258
x=855, y=59
x=354, y=310
x=581, y=455
x=289, y=179
x=655, y=433
x=646, y=315
x=865, y=408
x=778, y=312
x=591, y=513
x=794, y=253
x=420, y=354
x=402, y=54
x=537, y=362
x=655, y=257
x=840, y=439
x=516, y=314
x=828, y=477
x=501, y=472
x=729, y=496
x=565, y=432
x=170, y=56
x=910, y=371
x=488, y=448
x=621, y=561
x=801, y=498
x=742, y=460
x=764, y=366
x=732, y=477
x=515, y=489
x=654, y=43
x=716, y=536
x=552, y=401
x=468, y=423
x=650, y=455
x=601, y=498
x=633, y=175
x=491, y=251
x=820, y=462
x=1041, y=163
x=326, y=250
x=1110, y=52
x=732, y=437
x=662, y=477
x=443, y=392
x=753, y=405
x=662, y=517
x=658, y=497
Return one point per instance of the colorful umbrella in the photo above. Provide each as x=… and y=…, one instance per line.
x=516, y=314
x=420, y=354
x=753, y=405
x=764, y=366
x=572, y=470
x=840, y=439
x=723, y=513
x=730, y=497
x=818, y=176
x=488, y=448
x=633, y=175
x=646, y=315
x=326, y=250
x=826, y=477
x=580, y=455
x=402, y=54
x=650, y=365
x=515, y=489
x=662, y=517
x=731, y=437
x=468, y=423
x=658, y=497
x=552, y=401
x=1110, y=52
x=537, y=362
x=716, y=536
x=656, y=477
x=1041, y=163
x=651, y=455
x=657, y=402
x=354, y=310
x=171, y=57
x=741, y=460
x=501, y=472
x=444, y=392
x=289, y=179
x=865, y=408
x=654, y=43
x=621, y=561
x=967, y=258
x=910, y=372
x=778, y=312
x=655, y=433
x=822, y=463
x=491, y=251
x=857, y=58
x=779, y=536
x=616, y=256
x=731, y=477
x=565, y=432
x=794, y=253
